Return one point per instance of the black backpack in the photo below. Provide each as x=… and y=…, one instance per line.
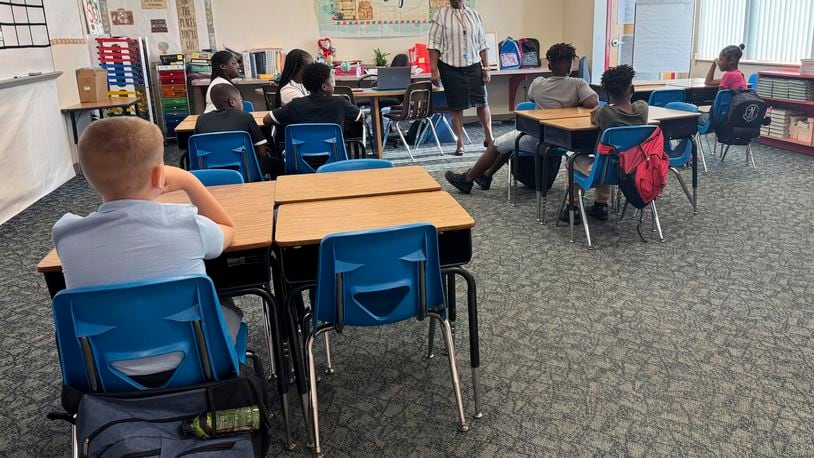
x=741, y=124
x=530, y=50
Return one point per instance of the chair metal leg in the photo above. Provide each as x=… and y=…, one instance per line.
x=624, y=209
x=403, y=140
x=435, y=135
x=656, y=220
x=683, y=185
x=446, y=123
x=559, y=209
x=312, y=371
x=431, y=340
x=329, y=360
x=723, y=154
x=453, y=369
x=714, y=147
x=701, y=152
x=751, y=155
x=466, y=134
x=509, y=177
x=584, y=218
x=513, y=181
x=74, y=442
x=419, y=132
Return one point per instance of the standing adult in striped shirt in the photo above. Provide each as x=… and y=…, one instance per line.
x=460, y=60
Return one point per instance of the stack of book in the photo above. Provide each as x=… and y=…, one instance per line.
x=764, y=86
x=803, y=131
x=782, y=120
x=801, y=90
x=200, y=62
x=263, y=63
x=807, y=66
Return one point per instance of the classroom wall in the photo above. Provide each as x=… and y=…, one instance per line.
x=293, y=24
x=578, y=24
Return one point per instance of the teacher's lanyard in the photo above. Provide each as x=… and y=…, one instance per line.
x=462, y=22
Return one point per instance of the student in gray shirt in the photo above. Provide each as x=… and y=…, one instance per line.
x=131, y=237
x=557, y=91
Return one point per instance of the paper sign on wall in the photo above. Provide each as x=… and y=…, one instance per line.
x=187, y=25
x=122, y=17
x=158, y=25
x=153, y=4
x=93, y=16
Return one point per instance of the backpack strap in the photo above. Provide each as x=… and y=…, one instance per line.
x=606, y=150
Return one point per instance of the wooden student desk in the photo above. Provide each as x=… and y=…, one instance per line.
x=112, y=102
x=185, y=128
x=301, y=226
x=360, y=183
x=251, y=206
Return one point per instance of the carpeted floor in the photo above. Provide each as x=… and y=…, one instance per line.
x=701, y=345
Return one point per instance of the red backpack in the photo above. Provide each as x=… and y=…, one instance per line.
x=642, y=169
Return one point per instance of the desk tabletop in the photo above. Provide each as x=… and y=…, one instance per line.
x=692, y=83
x=188, y=124
x=309, y=222
x=250, y=205
x=654, y=116
x=361, y=183
x=112, y=102
x=555, y=113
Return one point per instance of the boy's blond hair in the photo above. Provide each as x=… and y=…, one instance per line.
x=118, y=154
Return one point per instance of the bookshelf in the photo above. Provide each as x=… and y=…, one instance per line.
x=790, y=97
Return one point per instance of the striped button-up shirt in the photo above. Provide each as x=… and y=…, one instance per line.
x=458, y=35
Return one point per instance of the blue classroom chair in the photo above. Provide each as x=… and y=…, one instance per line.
x=703, y=128
x=225, y=150
x=718, y=114
x=662, y=97
x=248, y=106
x=681, y=154
x=375, y=278
x=604, y=171
x=355, y=164
x=309, y=146
x=752, y=81
x=98, y=327
x=216, y=177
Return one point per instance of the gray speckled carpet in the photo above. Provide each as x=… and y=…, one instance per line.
x=701, y=345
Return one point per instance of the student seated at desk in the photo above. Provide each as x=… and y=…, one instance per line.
x=557, y=91
x=131, y=237
x=320, y=106
x=224, y=69
x=229, y=116
x=618, y=83
x=727, y=62
x=291, y=86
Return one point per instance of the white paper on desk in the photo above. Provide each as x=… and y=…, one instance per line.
x=663, y=36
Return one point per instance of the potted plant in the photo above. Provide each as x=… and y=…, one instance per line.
x=380, y=57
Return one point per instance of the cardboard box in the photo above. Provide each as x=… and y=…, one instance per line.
x=92, y=83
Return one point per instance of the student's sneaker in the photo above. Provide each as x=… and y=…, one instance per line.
x=564, y=217
x=598, y=211
x=459, y=181
x=484, y=182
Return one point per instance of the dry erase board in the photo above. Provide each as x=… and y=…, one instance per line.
x=24, y=39
x=664, y=36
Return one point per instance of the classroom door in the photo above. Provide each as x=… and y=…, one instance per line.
x=619, y=32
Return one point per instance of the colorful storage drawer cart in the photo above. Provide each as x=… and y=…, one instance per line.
x=172, y=91
x=125, y=61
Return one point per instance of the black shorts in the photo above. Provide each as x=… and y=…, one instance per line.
x=463, y=86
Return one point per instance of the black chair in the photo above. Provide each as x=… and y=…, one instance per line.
x=355, y=132
x=417, y=107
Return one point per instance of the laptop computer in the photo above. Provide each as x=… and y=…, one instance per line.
x=394, y=79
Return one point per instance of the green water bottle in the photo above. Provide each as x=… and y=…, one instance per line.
x=211, y=424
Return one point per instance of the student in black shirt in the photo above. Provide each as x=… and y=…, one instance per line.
x=320, y=106
x=229, y=116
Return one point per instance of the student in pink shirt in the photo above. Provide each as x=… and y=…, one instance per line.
x=727, y=62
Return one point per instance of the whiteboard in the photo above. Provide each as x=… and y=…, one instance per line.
x=24, y=42
x=664, y=36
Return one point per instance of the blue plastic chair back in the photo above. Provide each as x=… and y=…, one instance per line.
x=720, y=107
x=98, y=326
x=217, y=177
x=248, y=107
x=604, y=170
x=309, y=146
x=355, y=164
x=662, y=97
x=682, y=152
x=525, y=106
x=225, y=150
x=377, y=277
x=753, y=81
